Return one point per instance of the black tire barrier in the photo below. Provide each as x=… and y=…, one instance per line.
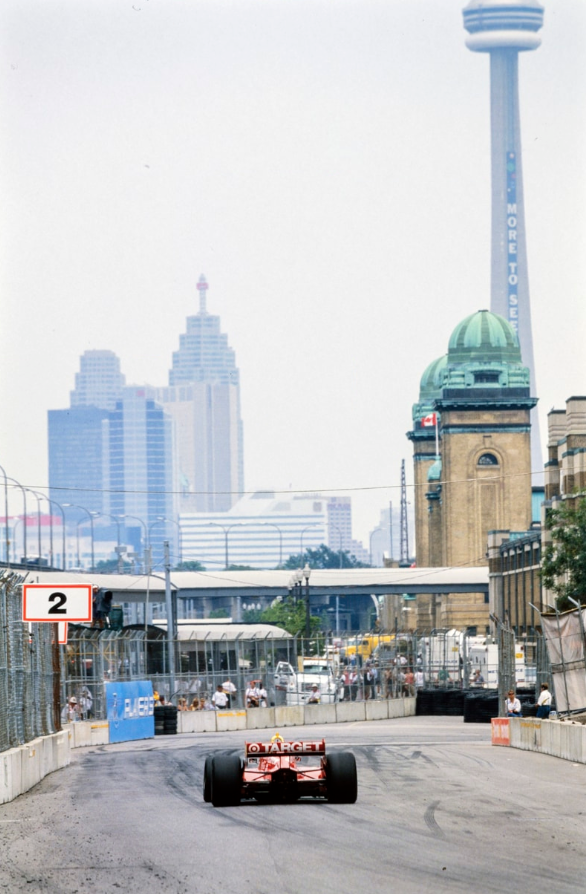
x=440, y=702
x=341, y=778
x=481, y=707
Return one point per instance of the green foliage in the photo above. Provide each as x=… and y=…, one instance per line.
x=563, y=566
x=189, y=566
x=289, y=614
x=252, y=616
x=324, y=557
x=219, y=613
x=110, y=566
x=241, y=568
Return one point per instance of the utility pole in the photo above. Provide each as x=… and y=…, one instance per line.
x=170, y=619
x=404, y=555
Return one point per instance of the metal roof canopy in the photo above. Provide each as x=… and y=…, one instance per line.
x=329, y=582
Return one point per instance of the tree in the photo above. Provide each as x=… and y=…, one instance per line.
x=289, y=614
x=563, y=567
x=110, y=566
x=219, y=613
x=324, y=557
x=192, y=565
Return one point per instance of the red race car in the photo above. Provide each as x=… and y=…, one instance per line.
x=280, y=771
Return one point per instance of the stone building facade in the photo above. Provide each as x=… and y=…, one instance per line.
x=472, y=458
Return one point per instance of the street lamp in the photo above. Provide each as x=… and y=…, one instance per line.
x=91, y=518
x=306, y=574
x=62, y=511
x=226, y=532
x=23, y=491
x=173, y=522
x=146, y=538
x=6, y=535
x=119, y=550
x=314, y=525
x=39, y=547
x=271, y=525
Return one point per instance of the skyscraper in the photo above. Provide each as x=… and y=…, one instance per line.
x=76, y=442
x=99, y=381
x=138, y=475
x=203, y=398
x=504, y=28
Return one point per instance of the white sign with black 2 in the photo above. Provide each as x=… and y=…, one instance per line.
x=55, y=602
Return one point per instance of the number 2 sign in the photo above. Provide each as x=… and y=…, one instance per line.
x=53, y=602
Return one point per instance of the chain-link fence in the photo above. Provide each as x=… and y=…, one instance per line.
x=27, y=672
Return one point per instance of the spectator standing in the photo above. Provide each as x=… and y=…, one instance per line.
x=409, y=684
x=219, y=698
x=230, y=690
x=252, y=695
x=419, y=679
x=85, y=703
x=263, y=699
x=544, y=702
x=369, y=681
x=70, y=712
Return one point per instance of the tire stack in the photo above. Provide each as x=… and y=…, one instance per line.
x=170, y=720
x=159, y=720
x=440, y=702
x=481, y=706
x=165, y=720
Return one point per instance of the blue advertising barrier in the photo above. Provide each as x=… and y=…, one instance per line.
x=131, y=710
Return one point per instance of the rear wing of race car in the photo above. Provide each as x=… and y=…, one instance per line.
x=254, y=749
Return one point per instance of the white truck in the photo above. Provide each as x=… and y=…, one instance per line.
x=298, y=685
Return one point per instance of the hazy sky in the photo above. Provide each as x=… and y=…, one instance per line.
x=325, y=163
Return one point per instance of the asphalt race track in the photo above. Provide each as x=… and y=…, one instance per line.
x=439, y=809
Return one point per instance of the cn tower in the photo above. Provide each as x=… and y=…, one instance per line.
x=504, y=28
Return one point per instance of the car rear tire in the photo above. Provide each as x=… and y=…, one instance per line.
x=207, y=779
x=341, y=778
x=226, y=776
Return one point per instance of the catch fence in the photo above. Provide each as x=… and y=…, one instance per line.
x=29, y=670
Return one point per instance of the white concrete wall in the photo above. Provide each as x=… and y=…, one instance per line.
x=23, y=767
x=560, y=738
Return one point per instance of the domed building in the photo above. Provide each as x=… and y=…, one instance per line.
x=472, y=456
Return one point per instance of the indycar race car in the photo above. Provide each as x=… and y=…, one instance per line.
x=280, y=771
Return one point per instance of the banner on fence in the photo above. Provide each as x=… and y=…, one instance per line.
x=131, y=710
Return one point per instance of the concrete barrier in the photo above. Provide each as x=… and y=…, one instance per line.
x=196, y=721
x=291, y=715
x=32, y=764
x=559, y=738
x=260, y=718
x=409, y=706
x=377, y=710
x=10, y=774
x=320, y=714
x=396, y=707
x=24, y=767
x=348, y=712
x=230, y=720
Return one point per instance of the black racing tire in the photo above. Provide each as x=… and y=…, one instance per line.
x=226, y=780
x=341, y=778
x=207, y=779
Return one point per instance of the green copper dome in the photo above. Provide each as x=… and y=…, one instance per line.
x=486, y=338
x=432, y=378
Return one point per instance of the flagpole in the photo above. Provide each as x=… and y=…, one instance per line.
x=436, y=438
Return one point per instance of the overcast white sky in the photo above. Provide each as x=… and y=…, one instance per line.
x=325, y=163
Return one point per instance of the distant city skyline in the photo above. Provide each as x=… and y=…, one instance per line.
x=327, y=166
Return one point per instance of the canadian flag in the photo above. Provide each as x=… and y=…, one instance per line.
x=429, y=420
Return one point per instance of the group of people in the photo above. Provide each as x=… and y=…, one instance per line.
x=78, y=709
x=544, y=703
